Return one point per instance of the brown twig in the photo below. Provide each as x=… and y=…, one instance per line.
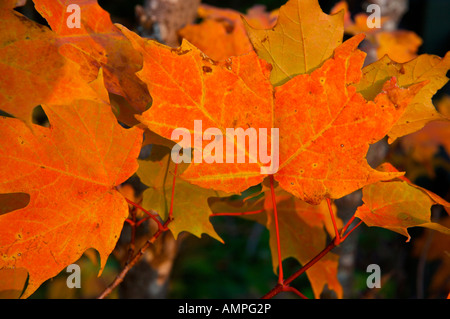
x=120, y=277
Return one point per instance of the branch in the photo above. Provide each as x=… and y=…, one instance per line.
x=280, y=262
x=281, y=287
x=295, y=291
x=336, y=232
x=350, y=231
x=120, y=277
x=152, y=216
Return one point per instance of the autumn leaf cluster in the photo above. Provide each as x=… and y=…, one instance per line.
x=107, y=92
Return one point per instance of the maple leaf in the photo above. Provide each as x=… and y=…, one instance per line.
x=99, y=44
x=302, y=39
x=221, y=34
x=69, y=172
x=322, y=158
x=398, y=205
x=302, y=232
x=190, y=205
x=179, y=96
x=429, y=69
x=50, y=78
x=326, y=158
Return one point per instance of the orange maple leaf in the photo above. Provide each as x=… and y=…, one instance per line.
x=69, y=172
x=50, y=78
x=98, y=43
x=317, y=115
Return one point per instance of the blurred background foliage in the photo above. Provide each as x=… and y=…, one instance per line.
x=428, y=18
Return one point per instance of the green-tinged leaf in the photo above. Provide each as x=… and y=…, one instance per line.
x=426, y=68
x=190, y=204
x=303, y=38
x=398, y=205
